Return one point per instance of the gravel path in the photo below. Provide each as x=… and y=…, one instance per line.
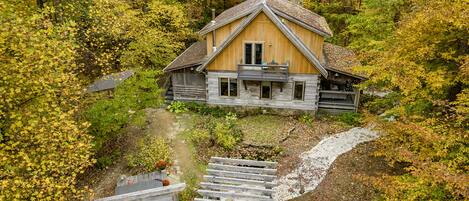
x=316, y=162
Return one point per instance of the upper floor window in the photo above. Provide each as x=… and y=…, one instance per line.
x=253, y=53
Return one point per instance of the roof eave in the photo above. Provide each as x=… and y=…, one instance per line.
x=240, y=15
x=302, y=24
x=231, y=37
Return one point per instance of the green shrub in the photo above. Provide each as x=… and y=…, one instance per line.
x=350, y=118
x=306, y=119
x=108, y=116
x=203, y=109
x=199, y=136
x=150, y=150
x=104, y=161
x=178, y=107
x=225, y=132
x=377, y=105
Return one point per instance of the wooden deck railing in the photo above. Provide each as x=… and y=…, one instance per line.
x=263, y=72
x=344, y=100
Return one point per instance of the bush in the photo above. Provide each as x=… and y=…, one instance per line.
x=350, y=118
x=203, y=109
x=377, y=105
x=108, y=116
x=225, y=132
x=149, y=152
x=178, y=107
x=306, y=119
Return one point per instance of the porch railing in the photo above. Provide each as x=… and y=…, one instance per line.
x=343, y=100
x=263, y=72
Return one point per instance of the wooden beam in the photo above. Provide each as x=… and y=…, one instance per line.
x=208, y=193
x=227, y=180
x=222, y=173
x=243, y=162
x=234, y=168
x=225, y=187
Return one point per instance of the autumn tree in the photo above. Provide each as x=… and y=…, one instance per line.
x=42, y=146
x=425, y=61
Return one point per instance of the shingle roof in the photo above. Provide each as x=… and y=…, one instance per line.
x=341, y=59
x=281, y=7
x=192, y=56
x=109, y=81
x=300, y=13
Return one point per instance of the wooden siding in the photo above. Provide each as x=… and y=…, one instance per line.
x=221, y=34
x=276, y=47
x=188, y=85
x=313, y=41
x=282, y=93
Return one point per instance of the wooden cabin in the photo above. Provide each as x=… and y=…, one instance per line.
x=266, y=53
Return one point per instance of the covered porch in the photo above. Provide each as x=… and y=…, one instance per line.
x=338, y=93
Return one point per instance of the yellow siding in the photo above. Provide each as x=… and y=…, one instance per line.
x=276, y=47
x=312, y=40
x=221, y=34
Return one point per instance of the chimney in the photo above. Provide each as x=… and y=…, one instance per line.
x=213, y=15
x=214, y=45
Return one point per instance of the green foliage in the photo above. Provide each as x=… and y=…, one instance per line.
x=177, y=107
x=306, y=118
x=225, y=132
x=350, y=118
x=379, y=105
x=203, y=109
x=104, y=161
x=150, y=150
x=164, y=30
x=108, y=116
x=375, y=23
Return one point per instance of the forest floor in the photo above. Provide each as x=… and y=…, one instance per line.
x=293, y=137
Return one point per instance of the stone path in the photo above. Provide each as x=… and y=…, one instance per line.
x=315, y=162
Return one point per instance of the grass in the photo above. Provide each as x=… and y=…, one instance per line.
x=263, y=129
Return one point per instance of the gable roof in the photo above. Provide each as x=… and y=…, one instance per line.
x=193, y=56
x=286, y=9
x=284, y=29
x=340, y=59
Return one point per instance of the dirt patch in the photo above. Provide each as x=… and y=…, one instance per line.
x=301, y=139
x=343, y=180
x=159, y=122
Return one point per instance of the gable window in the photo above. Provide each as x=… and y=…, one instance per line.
x=299, y=90
x=266, y=90
x=228, y=87
x=253, y=53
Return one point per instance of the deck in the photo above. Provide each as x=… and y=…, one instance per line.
x=339, y=100
x=260, y=72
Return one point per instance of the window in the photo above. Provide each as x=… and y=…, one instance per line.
x=228, y=87
x=298, y=91
x=253, y=53
x=266, y=90
x=248, y=53
x=258, y=54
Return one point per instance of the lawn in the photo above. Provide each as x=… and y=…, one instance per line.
x=264, y=129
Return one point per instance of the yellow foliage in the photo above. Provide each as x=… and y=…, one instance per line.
x=42, y=147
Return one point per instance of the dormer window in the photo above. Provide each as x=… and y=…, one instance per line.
x=253, y=53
